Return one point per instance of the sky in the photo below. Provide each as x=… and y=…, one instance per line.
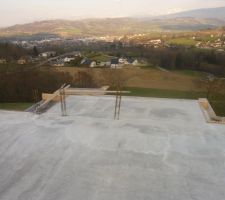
x=25, y=11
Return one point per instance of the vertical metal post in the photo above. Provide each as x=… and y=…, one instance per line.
x=120, y=99
x=115, y=113
x=35, y=95
x=118, y=103
x=63, y=101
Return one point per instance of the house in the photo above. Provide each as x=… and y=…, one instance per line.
x=85, y=61
x=34, y=59
x=114, y=63
x=220, y=51
x=132, y=61
x=199, y=44
x=105, y=64
x=22, y=61
x=101, y=64
x=59, y=63
x=48, y=54
x=156, y=42
x=3, y=61
x=122, y=60
x=77, y=54
x=68, y=59
x=93, y=64
x=108, y=64
x=135, y=62
x=88, y=62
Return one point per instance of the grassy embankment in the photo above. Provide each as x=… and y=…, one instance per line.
x=164, y=93
x=151, y=82
x=15, y=106
x=217, y=102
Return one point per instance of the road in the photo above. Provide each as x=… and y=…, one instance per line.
x=51, y=59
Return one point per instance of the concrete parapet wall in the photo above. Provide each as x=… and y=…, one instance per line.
x=46, y=96
x=209, y=113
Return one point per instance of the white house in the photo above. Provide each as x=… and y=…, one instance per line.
x=3, y=61
x=135, y=62
x=22, y=61
x=59, y=63
x=67, y=59
x=93, y=64
x=122, y=60
x=88, y=62
x=115, y=63
x=47, y=54
x=102, y=64
x=132, y=61
x=105, y=64
x=77, y=54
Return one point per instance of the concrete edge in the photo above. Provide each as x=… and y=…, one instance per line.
x=209, y=113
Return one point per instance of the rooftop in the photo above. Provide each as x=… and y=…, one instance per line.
x=159, y=149
x=115, y=61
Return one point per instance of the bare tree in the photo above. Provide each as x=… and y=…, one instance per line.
x=212, y=85
x=115, y=78
x=84, y=80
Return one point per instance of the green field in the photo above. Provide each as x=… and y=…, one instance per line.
x=219, y=107
x=218, y=102
x=102, y=58
x=182, y=41
x=15, y=106
x=161, y=93
x=192, y=73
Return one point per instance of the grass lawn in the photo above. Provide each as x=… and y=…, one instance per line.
x=218, y=103
x=99, y=57
x=162, y=93
x=15, y=106
x=219, y=107
x=191, y=73
x=182, y=41
x=102, y=58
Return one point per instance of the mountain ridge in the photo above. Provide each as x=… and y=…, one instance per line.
x=184, y=21
x=206, y=13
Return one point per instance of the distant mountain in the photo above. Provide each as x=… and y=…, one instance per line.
x=206, y=13
x=185, y=21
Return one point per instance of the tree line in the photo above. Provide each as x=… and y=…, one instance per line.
x=193, y=59
x=12, y=52
x=178, y=58
x=20, y=85
x=173, y=58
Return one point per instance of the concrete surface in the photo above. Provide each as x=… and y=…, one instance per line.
x=161, y=149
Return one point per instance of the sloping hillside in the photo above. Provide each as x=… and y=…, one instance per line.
x=110, y=26
x=207, y=13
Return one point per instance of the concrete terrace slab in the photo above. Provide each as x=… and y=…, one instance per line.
x=160, y=149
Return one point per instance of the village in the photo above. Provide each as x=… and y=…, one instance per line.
x=59, y=52
x=75, y=59
x=205, y=39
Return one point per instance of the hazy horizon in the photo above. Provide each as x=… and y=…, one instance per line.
x=26, y=11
